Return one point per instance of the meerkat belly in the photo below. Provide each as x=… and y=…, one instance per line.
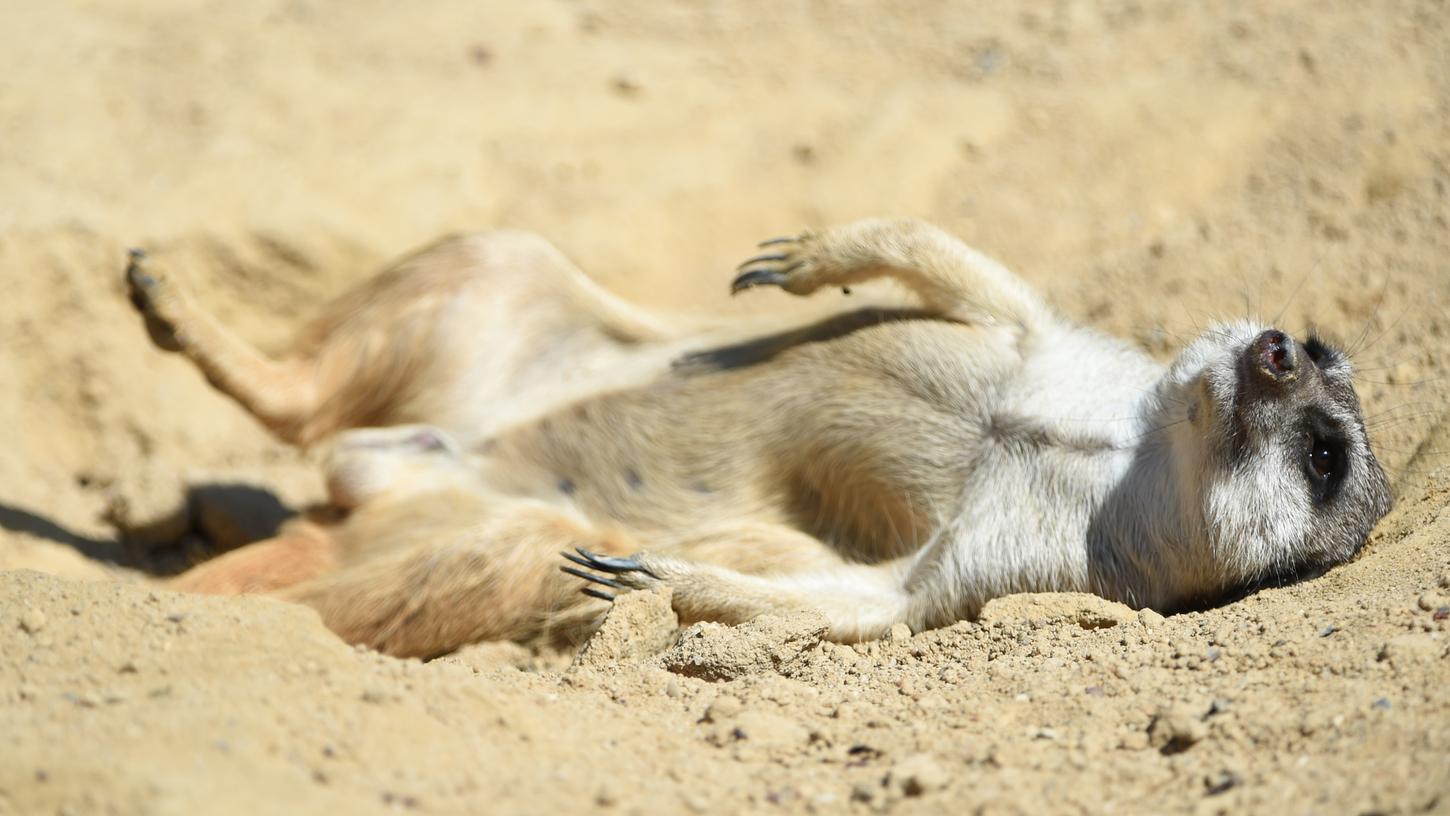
x=859, y=440
x=652, y=458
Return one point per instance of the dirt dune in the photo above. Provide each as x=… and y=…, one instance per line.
x=1150, y=166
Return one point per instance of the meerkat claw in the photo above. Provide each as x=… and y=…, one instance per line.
x=762, y=277
x=784, y=239
x=629, y=569
x=589, y=576
x=754, y=278
x=136, y=273
x=614, y=564
x=568, y=556
x=774, y=256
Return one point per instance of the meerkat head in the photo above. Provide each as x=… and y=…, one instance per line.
x=399, y=461
x=1278, y=477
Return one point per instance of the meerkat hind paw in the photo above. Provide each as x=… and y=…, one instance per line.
x=144, y=288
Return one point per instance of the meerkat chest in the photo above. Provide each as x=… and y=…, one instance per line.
x=1076, y=387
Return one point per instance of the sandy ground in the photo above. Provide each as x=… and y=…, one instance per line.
x=1150, y=165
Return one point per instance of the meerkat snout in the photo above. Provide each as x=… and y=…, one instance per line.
x=1273, y=356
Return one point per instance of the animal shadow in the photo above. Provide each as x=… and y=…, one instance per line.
x=213, y=518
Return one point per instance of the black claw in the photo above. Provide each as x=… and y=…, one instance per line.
x=782, y=240
x=576, y=559
x=598, y=579
x=136, y=271
x=595, y=593
x=757, y=277
x=610, y=563
x=775, y=256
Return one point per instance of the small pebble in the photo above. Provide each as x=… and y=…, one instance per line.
x=1429, y=602
x=1150, y=619
x=1175, y=729
x=863, y=792
x=919, y=775
x=900, y=632
x=1216, y=784
x=723, y=708
x=32, y=621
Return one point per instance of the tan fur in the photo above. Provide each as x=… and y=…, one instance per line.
x=419, y=567
x=544, y=377
x=881, y=465
x=302, y=552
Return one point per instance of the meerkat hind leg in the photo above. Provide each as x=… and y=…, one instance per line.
x=291, y=558
x=275, y=391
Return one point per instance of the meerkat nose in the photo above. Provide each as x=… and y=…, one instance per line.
x=1272, y=354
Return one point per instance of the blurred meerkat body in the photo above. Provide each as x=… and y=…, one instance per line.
x=879, y=466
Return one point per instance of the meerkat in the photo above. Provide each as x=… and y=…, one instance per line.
x=880, y=466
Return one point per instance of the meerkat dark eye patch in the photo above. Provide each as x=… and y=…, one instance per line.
x=1324, y=457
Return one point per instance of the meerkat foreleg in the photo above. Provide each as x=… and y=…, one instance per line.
x=951, y=279
x=861, y=601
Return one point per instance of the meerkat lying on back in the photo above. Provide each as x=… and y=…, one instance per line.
x=882, y=466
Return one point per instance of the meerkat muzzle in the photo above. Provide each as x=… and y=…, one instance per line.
x=1272, y=354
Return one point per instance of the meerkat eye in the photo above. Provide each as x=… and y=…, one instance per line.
x=1325, y=466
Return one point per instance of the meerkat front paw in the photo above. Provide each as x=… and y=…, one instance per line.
x=151, y=294
x=791, y=264
x=631, y=572
x=840, y=256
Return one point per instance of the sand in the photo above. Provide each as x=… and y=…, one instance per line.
x=1150, y=166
